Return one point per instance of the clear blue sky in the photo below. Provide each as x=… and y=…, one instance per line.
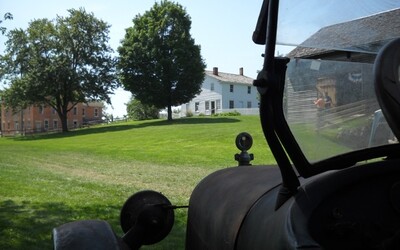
x=223, y=28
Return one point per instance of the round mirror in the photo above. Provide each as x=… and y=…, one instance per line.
x=149, y=211
x=244, y=141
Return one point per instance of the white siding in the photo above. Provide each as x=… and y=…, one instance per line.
x=221, y=94
x=239, y=96
x=206, y=95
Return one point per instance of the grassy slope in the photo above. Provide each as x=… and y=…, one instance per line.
x=48, y=180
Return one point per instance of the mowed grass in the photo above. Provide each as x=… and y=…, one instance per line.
x=49, y=180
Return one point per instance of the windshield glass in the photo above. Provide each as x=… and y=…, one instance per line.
x=331, y=107
x=329, y=101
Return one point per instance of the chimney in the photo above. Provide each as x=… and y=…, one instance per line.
x=241, y=71
x=215, y=71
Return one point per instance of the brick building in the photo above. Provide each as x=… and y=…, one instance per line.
x=38, y=119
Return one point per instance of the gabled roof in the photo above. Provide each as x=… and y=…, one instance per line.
x=230, y=78
x=366, y=35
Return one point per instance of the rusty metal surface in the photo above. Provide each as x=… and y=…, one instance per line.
x=220, y=202
x=345, y=209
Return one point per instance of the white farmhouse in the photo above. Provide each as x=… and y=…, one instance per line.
x=224, y=92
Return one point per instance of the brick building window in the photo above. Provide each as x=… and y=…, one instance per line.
x=38, y=126
x=41, y=109
x=46, y=124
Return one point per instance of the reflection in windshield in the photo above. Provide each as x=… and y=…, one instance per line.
x=330, y=101
x=331, y=107
x=338, y=24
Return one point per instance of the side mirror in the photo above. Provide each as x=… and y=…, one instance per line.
x=244, y=141
x=146, y=218
x=387, y=83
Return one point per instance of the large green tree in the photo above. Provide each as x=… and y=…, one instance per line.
x=59, y=63
x=159, y=61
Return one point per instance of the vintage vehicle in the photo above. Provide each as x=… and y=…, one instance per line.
x=330, y=112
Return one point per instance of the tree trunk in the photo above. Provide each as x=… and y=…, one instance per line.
x=64, y=123
x=169, y=113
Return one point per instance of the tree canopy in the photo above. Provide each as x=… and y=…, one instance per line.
x=159, y=61
x=8, y=16
x=59, y=63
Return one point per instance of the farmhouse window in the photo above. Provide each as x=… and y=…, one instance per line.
x=231, y=104
x=207, y=105
x=218, y=104
x=231, y=88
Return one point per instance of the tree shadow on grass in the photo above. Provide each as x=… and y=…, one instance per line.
x=107, y=128
x=29, y=225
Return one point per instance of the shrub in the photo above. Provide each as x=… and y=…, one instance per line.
x=232, y=113
x=189, y=113
x=235, y=113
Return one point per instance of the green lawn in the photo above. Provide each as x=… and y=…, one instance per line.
x=49, y=180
